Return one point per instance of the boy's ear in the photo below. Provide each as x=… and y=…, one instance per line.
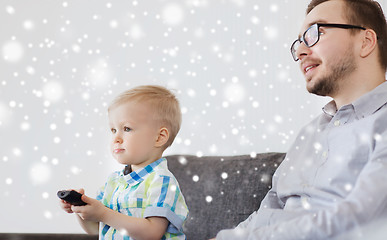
x=162, y=137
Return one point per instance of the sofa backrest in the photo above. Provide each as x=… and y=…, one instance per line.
x=222, y=191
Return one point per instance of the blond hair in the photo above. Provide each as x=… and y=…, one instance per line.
x=163, y=102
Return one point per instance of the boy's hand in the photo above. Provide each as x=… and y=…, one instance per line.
x=93, y=211
x=67, y=206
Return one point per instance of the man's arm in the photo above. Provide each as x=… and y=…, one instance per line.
x=366, y=202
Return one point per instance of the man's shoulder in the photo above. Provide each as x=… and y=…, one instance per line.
x=379, y=119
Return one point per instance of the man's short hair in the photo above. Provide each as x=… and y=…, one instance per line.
x=163, y=102
x=368, y=14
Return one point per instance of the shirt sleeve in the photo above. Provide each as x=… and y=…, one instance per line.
x=367, y=202
x=102, y=190
x=164, y=199
x=100, y=193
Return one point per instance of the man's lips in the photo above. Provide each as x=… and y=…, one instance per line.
x=308, y=67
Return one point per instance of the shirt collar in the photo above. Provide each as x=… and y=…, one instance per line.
x=372, y=101
x=139, y=175
x=330, y=108
x=364, y=106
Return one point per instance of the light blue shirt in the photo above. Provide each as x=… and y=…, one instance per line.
x=332, y=180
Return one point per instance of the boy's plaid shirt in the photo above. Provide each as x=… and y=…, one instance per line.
x=149, y=192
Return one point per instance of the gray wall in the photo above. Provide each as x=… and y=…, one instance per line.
x=63, y=61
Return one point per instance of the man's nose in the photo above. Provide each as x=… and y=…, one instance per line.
x=302, y=51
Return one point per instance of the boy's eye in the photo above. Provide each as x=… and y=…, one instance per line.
x=113, y=130
x=126, y=129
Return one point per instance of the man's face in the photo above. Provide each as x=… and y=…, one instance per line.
x=328, y=64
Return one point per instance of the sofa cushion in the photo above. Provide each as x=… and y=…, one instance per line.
x=222, y=191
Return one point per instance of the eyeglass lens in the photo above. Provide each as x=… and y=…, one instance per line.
x=310, y=37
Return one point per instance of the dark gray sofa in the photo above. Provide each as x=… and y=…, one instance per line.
x=234, y=184
x=220, y=192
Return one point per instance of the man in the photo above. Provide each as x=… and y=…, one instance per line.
x=333, y=179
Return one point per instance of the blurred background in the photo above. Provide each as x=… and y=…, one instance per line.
x=62, y=62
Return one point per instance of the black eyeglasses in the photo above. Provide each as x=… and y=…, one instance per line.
x=312, y=35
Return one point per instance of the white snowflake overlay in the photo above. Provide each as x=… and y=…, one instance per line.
x=61, y=63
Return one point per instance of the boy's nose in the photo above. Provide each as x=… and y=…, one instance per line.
x=118, y=139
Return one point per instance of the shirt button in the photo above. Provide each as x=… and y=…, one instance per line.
x=325, y=154
x=305, y=203
x=337, y=123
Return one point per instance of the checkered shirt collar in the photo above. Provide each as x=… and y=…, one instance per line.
x=139, y=175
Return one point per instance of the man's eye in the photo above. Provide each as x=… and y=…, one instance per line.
x=113, y=130
x=126, y=129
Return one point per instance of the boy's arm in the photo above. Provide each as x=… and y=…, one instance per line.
x=137, y=228
x=90, y=227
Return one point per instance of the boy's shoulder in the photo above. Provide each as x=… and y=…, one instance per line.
x=161, y=172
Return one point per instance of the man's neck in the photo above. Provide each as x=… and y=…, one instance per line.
x=357, y=86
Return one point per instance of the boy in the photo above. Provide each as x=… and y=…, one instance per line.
x=144, y=201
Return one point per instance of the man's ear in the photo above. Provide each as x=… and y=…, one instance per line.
x=370, y=41
x=162, y=137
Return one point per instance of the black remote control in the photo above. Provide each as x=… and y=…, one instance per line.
x=72, y=197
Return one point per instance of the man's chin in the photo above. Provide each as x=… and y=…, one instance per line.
x=310, y=86
x=315, y=89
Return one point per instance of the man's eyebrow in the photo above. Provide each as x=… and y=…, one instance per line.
x=311, y=23
x=320, y=21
